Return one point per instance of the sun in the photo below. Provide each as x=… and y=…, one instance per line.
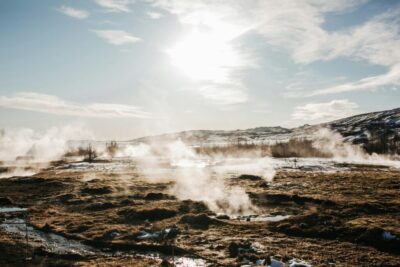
x=204, y=56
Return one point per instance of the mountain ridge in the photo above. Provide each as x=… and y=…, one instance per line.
x=371, y=130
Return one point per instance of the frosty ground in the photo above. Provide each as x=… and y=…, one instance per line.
x=315, y=212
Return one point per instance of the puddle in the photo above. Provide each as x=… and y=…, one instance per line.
x=52, y=242
x=263, y=218
x=189, y=262
x=60, y=245
x=275, y=263
x=298, y=263
x=12, y=209
x=113, y=166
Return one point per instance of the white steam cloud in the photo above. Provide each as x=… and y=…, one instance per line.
x=333, y=143
x=24, y=148
x=200, y=178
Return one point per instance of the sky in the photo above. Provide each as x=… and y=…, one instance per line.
x=129, y=68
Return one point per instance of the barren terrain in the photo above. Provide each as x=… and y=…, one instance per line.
x=346, y=217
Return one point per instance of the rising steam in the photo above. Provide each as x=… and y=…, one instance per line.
x=333, y=143
x=25, y=151
x=200, y=178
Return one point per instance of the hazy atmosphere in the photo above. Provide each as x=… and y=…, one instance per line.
x=148, y=67
x=200, y=133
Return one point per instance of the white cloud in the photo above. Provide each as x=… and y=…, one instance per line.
x=389, y=79
x=210, y=54
x=297, y=26
x=154, y=15
x=319, y=112
x=375, y=41
x=293, y=25
x=117, y=37
x=54, y=105
x=378, y=42
x=73, y=12
x=115, y=5
x=302, y=34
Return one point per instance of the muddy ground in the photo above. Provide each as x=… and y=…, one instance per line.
x=350, y=217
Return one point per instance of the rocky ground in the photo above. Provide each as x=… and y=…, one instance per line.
x=350, y=217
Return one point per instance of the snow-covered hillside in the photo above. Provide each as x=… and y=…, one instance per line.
x=369, y=130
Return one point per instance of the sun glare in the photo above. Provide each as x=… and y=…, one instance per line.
x=204, y=56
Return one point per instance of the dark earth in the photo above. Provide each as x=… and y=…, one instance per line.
x=350, y=217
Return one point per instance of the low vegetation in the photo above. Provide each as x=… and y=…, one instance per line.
x=291, y=148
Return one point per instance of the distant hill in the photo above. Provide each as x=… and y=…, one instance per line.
x=375, y=131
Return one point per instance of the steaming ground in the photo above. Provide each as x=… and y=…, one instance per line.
x=323, y=212
x=227, y=210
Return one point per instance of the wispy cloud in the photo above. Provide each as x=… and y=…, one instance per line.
x=302, y=34
x=115, y=5
x=320, y=112
x=73, y=12
x=226, y=21
x=375, y=41
x=378, y=42
x=117, y=37
x=389, y=79
x=55, y=105
x=305, y=80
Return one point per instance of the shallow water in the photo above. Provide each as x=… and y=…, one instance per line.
x=189, y=262
x=263, y=218
x=58, y=244
x=53, y=243
x=12, y=209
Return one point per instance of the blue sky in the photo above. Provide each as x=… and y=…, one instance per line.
x=129, y=68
